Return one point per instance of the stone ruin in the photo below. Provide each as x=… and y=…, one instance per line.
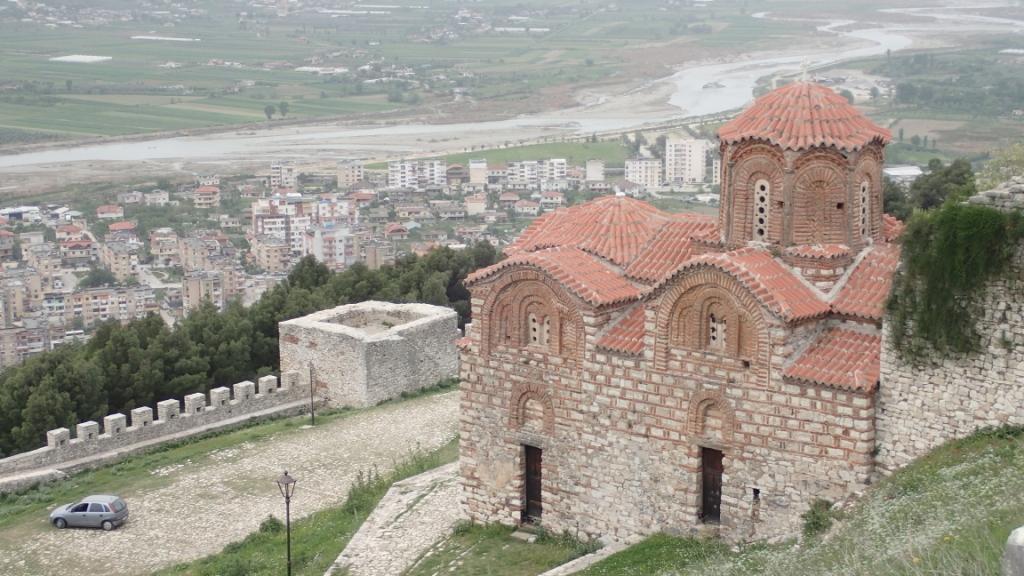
x=363, y=354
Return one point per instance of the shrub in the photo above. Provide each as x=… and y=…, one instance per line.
x=818, y=519
x=271, y=525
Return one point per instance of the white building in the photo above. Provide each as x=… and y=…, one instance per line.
x=417, y=174
x=335, y=246
x=535, y=174
x=282, y=175
x=645, y=172
x=686, y=159
x=595, y=170
x=478, y=172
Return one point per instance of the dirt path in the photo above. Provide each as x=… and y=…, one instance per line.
x=222, y=499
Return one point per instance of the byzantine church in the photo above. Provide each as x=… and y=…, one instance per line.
x=630, y=371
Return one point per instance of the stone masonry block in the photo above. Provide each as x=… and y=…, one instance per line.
x=289, y=380
x=58, y=438
x=87, y=430
x=1013, y=554
x=115, y=424
x=245, y=390
x=142, y=417
x=195, y=403
x=220, y=396
x=167, y=410
x=267, y=385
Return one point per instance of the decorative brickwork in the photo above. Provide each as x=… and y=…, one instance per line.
x=632, y=347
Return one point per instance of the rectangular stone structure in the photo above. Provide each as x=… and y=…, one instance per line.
x=115, y=424
x=195, y=403
x=245, y=390
x=267, y=384
x=58, y=438
x=220, y=397
x=88, y=430
x=142, y=417
x=363, y=354
x=167, y=410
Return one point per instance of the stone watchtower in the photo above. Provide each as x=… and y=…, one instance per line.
x=802, y=173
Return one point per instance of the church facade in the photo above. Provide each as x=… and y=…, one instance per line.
x=630, y=371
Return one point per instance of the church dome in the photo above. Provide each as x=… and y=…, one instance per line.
x=802, y=115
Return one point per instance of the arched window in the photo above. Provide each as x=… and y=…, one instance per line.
x=545, y=331
x=762, y=195
x=534, y=327
x=716, y=331
x=865, y=209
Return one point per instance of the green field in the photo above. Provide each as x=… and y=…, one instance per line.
x=242, y=64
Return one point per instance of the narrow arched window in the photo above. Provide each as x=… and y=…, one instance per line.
x=716, y=332
x=762, y=195
x=545, y=331
x=534, y=326
x=865, y=209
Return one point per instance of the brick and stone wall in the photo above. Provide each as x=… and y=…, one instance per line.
x=923, y=404
x=119, y=432
x=363, y=354
x=622, y=434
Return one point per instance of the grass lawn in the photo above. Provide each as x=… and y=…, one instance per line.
x=317, y=539
x=475, y=550
x=947, y=513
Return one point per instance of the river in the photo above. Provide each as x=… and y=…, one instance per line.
x=688, y=98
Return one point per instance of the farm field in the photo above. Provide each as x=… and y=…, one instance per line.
x=235, y=66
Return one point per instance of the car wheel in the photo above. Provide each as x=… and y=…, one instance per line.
x=108, y=525
x=60, y=523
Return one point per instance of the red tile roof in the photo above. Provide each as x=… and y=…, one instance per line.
x=582, y=274
x=615, y=228
x=892, y=227
x=818, y=250
x=122, y=225
x=866, y=290
x=774, y=285
x=802, y=115
x=626, y=335
x=669, y=248
x=840, y=359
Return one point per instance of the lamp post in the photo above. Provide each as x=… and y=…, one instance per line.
x=286, y=484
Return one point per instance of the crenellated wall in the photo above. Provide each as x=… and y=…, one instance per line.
x=197, y=412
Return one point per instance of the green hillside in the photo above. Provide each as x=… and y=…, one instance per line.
x=948, y=513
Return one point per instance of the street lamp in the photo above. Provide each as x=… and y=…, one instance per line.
x=286, y=484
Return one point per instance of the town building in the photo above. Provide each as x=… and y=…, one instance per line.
x=202, y=286
x=7, y=241
x=417, y=174
x=270, y=253
x=110, y=212
x=156, y=198
x=645, y=172
x=163, y=247
x=686, y=159
x=630, y=371
x=595, y=171
x=478, y=172
x=283, y=175
x=206, y=197
x=349, y=173
x=121, y=259
x=335, y=246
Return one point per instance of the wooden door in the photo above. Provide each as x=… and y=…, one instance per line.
x=533, y=466
x=711, y=485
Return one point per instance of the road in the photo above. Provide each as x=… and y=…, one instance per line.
x=196, y=508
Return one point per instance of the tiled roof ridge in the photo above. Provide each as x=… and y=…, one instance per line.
x=626, y=332
x=803, y=115
x=817, y=251
x=842, y=357
x=732, y=263
x=837, y=287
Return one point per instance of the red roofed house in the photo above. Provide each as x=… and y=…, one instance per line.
x=109, y=212
x=630, y=371
x=206, y=197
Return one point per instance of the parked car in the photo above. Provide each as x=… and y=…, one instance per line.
x=100, y=511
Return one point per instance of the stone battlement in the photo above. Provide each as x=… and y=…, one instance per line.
x=1008, y=196
x=172, y=417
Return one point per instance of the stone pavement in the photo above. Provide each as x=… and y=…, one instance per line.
x=194, y=509
x=414, y=515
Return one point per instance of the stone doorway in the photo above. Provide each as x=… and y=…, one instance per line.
x=711, y=485
x=532, y=466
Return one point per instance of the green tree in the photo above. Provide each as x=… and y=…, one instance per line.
x=875, y=93
x=269, y=111
x=97, y=277
x=894, y=200
x=283, y=108
x=847, y=94
x=953, y=182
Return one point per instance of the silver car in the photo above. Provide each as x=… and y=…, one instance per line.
x=101, y=511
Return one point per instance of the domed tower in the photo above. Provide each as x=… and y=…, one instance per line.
x=802, y=170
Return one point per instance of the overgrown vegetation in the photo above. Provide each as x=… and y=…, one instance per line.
x=940, y=183
x=124, y=367
x=949, y=254
x=318, y=538
x=818, y=518
x=491, y=549
x=949, y=512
